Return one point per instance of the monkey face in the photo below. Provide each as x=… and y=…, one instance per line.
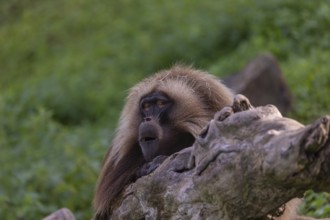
x=157, y=134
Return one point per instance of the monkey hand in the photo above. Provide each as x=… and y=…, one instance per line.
x=149, y=167
x=241, y=103
x=317, y=135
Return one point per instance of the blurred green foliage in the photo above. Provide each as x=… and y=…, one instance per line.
x=65, y=67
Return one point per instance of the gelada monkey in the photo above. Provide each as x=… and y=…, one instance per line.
x=163, y=114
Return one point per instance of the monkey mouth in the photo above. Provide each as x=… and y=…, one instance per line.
x=147, y=139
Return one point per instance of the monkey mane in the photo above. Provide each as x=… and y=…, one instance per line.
x=197, y=95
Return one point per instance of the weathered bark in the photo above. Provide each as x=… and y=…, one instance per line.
x=243, y=166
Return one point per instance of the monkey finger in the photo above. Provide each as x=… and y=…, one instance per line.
x=241, y=103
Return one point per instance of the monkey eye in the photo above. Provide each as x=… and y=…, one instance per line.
x=146, y=106
x=160, y=103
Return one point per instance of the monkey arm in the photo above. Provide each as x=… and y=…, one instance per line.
x=247, y=163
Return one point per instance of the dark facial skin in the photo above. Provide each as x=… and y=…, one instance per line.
x=157, y=135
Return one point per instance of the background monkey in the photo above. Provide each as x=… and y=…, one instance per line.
x=163, y=114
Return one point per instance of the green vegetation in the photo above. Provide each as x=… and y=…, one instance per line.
x=65, y=67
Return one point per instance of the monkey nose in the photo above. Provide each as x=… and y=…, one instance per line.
x=147, y=119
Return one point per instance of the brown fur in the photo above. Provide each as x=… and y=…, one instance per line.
x=197, y=97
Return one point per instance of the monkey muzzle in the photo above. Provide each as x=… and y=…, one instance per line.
x=149, y=135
